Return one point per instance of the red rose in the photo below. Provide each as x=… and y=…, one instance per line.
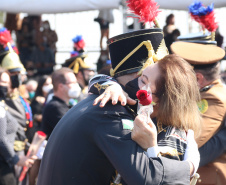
x=144, y=97
x=142, y=94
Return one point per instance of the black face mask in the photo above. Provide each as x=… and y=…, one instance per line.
x=3, y=92
x=16, y=81
x=131, y=88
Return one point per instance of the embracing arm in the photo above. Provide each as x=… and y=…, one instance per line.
x=108, y=89
x=130, y=161
x=145, y=135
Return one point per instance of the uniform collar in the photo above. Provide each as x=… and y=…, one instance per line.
x=207, y=87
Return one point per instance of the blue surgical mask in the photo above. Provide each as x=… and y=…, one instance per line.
x=31, y=95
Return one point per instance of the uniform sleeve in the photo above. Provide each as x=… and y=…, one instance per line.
x=212, y=120
x=131, y=162
x=214, y=148
x=99, y=83
x=6, y=147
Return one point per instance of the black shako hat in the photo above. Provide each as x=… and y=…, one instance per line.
x=128, y=51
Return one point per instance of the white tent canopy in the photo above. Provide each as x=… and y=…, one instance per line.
x=64, y=6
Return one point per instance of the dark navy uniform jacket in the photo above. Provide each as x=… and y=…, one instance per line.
x=89, y=143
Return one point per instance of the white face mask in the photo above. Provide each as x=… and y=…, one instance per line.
x=74, y=91
x=47, y=88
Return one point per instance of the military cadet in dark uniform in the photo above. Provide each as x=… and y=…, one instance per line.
x=204, y=55
x=89, y=143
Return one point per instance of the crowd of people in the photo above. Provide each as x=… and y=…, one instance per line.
x=113, y=144
x=36, y=43
x=31, y=99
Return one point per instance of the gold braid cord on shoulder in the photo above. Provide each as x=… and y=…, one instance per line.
x=76, y=63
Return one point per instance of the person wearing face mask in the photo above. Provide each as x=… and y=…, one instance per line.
x=37, y=105
x=94, y=142
x=8, y=130
x=31, y=87
x=83, y=72
x=65, y=87
x=18, y=106
x=75, y=93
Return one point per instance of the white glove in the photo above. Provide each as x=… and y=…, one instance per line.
x=41, y=149
x=192, y=152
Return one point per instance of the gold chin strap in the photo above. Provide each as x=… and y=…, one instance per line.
x=76, y=63
x=152, y=57
x=213, y=36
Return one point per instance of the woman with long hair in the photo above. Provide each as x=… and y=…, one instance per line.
x=175, y=92
x=38, y=102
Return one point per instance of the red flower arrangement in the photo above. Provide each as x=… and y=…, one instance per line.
x=144, y=97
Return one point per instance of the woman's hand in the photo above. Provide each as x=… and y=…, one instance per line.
x=144, y=134
x=114, y=93
x=27, y=161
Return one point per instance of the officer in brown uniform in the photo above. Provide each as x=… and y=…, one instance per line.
x=204, y=55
